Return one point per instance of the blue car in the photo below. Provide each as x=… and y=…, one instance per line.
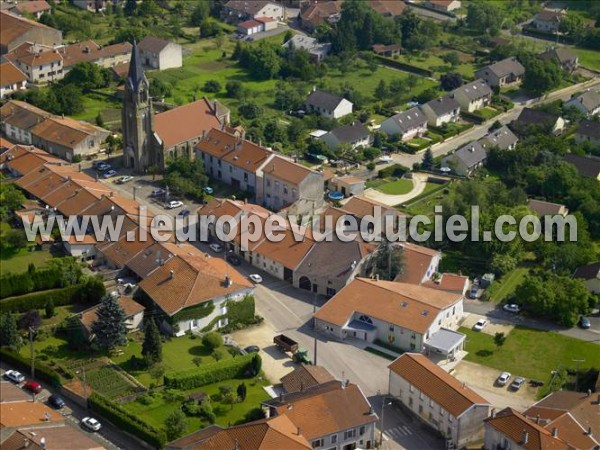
x=208, y=190
x=56, y=401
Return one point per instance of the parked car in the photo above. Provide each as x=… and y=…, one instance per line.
x=208, y=190
x=517, y=383
x=174, y=204
x=33, y=386
x=252, y=349
x=234, y=260
x=124, y=179
x=109, y=173
x=56, y=401
x=14, y=376
x=102, y=166
x=480, y=324
x=385, y=159
x=255, y=277
x=474, y=291
x=184, y=213
x=217, y=248
x=511, y=307
x=157, y=193
x=91, y=424
x=584, y=322
x=503, y=378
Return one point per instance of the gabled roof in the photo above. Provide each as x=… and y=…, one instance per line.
x=12, y=26
x=23, y=414
x=251, y=7
x=548, y=15
x=22, y=115
x=417, y=259
x=362, y=206
x=471, y=154
x=410, y=119
x=9, y=74
x=352, y=132
x=304, y=377
x=129, y=306
x=589, y=272
x=33, y=6
x=502, y=138
x=153, y=44
x=589, y=128
x=474, y=90
x=530, y=116
x=326, y=408
x=288, y=252
x=388, y=8
x=317, y=13
x=561, y=55
x=443, y=105
x=437, y=384
x=89, y=51
x=587, y=166
x=406, y=305
x=11, y=393
x=589, y=99
x=54, y=437
x=506, y=67
x=450, y=282
x=542, y=208
x=34, y=55
x=59, y=132
x=287, y=171
x=324, y=100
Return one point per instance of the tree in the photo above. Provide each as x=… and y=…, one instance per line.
x=499, y=340
x=31, y=319
x=15, y=238
x=381, y=91
x=130, y=7
x=197, y=361
x=212, y=86
x=109, y=327
x=209, y=27
x=484, y=17
x=541, y=75
x=11, y=199
x=242, y=391
x=250, y=110
x=212, y=340
x=426, y=95
x=452, y=59
x=160, y=89
x=100, y=120
x=49, y=309
x=427, y=162
x=175, y=424
x=450, y=81
x=9, y=332
x=186, y=177
x=389, y=261
x=152, y=345
x=87, y=76
x=234, y=89
x=156, y=372
x=200, y=12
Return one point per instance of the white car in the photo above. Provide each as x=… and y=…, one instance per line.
x=14, y=376
x=385, y=159
x=174, y=204
x=512, y=308
x=480, y=324
x=125, y=179
x=109, y=173
x=256, y=278
x=503, y=378
x=217, y=248
x=91, y=424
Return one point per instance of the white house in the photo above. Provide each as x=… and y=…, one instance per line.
x=236, y=11
x=160, y=54
x=256, y=25
x=134, y=315
x=407, y=124
x=354, y=134
x=473, y=96
x=328, y=105
x=441, y=110
x=548, y=20
x=438, y=399
x=446, y=6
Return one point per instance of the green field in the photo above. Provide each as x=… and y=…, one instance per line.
x=19, y=262
x=432, y=60
x=531, y=353
x=504, y=287
x=589, y=58
x=109, y=382
x=398, y=187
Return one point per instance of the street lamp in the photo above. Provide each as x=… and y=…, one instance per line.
x=383, y=405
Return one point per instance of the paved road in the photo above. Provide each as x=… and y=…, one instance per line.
x=479, y=131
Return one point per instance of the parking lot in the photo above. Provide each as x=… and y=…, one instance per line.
x=492, y=326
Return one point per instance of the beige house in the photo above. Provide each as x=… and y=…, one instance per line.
x=40, y=64
x=160, y=54
x=11, y=79
x=438, y=399
x=473, y=96
x=507, y=72
x=88, y=51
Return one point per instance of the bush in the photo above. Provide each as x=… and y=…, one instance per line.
x=38, y=300
x=212, y=340
x=42, y=371
x=210, y=373
x=395, y=170
x=123, y=419
x=212, y=86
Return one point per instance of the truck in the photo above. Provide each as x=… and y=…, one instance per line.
x=287, y=344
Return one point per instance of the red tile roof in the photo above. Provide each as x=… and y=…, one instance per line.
x=33, y=6
x=9, y=74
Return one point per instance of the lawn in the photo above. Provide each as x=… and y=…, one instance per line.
x=531, y=353
x=588, y=58
x=160, y=407
x=95, y=104
x=19, y=262
x=505, y=286
x=426, y=201
x=398, y=187
x=433, y=61
x=487, y=113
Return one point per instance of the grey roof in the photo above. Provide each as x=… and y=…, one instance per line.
x=501, y=138
x=409, y=119
x=471, y=154
x=589, y=128
x=445, y=340
x=506, y=67
x=443, y=105
x=475, y=90
x=589, y=99
x=324, y=100
x=589, y=272
x=547, y=15
x=560, y=54
x=587, y=166
x=536, y=117
x=152, y=44
x=544, y=208
x=351, y=133
x=310, y=44
x=136, y=72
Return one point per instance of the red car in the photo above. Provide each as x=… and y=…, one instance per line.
x=34, y=387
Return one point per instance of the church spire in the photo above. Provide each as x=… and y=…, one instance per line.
x=136, y=72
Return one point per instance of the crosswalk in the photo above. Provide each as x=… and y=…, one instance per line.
x=397, y=432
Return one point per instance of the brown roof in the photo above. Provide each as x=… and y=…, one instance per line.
x=250, y=7
x=11, y=27
x=9, y=74
x=21, y=114
x=317, y=13
x=326, y=408
x=362, y=206
x=288, y=252
x=11, y=393
x=287, y=171
x=185, y=122
x=191, y=278
x=33, y=6
x=89, y=51
x=405, y=305
x=121, y=70
x=514, y=425
x=449, y=282
x=129, y=305
x=390, y=8
x=22, y=414
x=221, y=207
x=542, y=208
x=547, y=15
x=274, y=433
x=437, y=384
x=417, y=260
x=34, y=54
x=5, y=143
x=25, y=161
x=63, y=132
x=123, y=251
x=152, y=44
x=61, y=437
x=304, y=377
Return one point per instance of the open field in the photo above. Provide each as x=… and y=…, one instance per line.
x=19, y=262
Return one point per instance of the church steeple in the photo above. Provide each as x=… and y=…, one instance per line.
x=136, y=73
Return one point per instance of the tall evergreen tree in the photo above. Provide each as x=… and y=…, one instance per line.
x=109, y=327
x=152, y=346
x=9, y=332
x=427, y=162
x=389, y=261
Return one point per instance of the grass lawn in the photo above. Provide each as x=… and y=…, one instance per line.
x=397, y=187
x=95, y=104
x=19, y=262
x=505, y=286
x=156, y=412
x=433, y=61
x=487, y=113
x=531, y=353
x=588, y=58
x=424, y=203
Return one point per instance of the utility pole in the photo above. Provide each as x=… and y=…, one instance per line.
x=31, y=352
x=315, y=325
x=577, y=361
x=383, y=405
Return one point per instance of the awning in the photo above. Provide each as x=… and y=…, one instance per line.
x=359, y=325
x=445, y=340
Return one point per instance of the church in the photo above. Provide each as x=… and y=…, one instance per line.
x=152, y=140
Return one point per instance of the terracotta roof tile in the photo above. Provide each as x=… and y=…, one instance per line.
x=287, y=171
x=452, y=395
x=59, y=437
x=288, y=251
x=33, y=6
x=417, y=260
x=89, y=51
x=304, y=377
x=21, y=114
x=129, y=305
x=401, y=304
x=9, y=74
x=11, y=393
x=22, y=414
x=34, y=55
x=12, y=26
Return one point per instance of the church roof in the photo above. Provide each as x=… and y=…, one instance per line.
x=136, y=72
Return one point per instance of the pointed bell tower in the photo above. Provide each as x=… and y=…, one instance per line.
x=137, y=118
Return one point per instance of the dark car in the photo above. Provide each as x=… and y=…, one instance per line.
x=252, y=349
x=56, y=401
x=184, y=213
x=33, y=386
x=234, y=260
x=584, y=322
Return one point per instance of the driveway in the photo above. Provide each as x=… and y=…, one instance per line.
x=419, y=181
x=493, y=326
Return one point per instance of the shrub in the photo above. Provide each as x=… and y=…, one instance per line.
x=42, y=371
x=395, y=170
x=123, y=419
x=210, y=373
x=212, y=340
x=212, y=86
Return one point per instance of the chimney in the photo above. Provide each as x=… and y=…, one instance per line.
x=377, y=277
x=43, y=443
x=227, y=281
x=555, y=432
x=537, y=419
x=525, y=437
x=589, y=431
x=493, y=413
x=298, y=430
x=171, y=274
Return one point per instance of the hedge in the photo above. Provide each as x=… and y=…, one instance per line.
x=42, y=371
x=403, y=66
x=210, y=373
x=395, y=170
x=127, y=421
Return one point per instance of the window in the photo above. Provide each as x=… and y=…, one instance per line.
x=334, y=438
x=449, y=418
x=412, y=388
x=412, y=346
x=285, y=189
x=219, y=162
x=317, y=443
x=430, y=403
x=413, y=336
x=268, y=183
x=421, y=396
x=454, y=310
x=350, y=434
x=330, y=292
x=420, y=409
x=362, y=430
x=442, y=412
x=230, y=169
x=366, y=319
x=245, y=177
